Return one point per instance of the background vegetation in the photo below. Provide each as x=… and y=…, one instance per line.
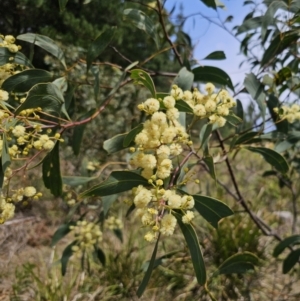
x=263, y=196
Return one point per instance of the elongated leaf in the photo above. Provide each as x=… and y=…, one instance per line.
x=115, y=143
x=256, y=90
x=45, y=43
x=61, y=232
x=272, y=157
x=62, y=4
x=131, y=135
x=287, y=242
x=147, y=276
x=210, y=3
x=5, y=157
x=205, y=134
x=245, y=138
x=184, y=79
x=216, y=55
x=18, y=58
x=100, y=255
x=278, y=45
x=250, y=24
x=97, y=47
x=233, y=119
x=214, y=75
x=159, y=260
x=209, y=161
x=268, y=18
x=238, y=263
x=51, y=171
x=25, y=80
x=46, y=96
x=290, y=261
x=67, y=253
x=283, y=125
x=79, y=131
x=118, y=181
x=107, y=201
x=182, y=106
x=140, y=77
x=140, y=20
x=76, y=181
x=211, y=209
x=239, y=109
x=193, y=244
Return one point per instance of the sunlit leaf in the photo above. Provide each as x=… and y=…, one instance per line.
x=287, y=242
x=205, y=134
x=193, y=244
x=115, y=143
x=272, y=157
x=209, y=161
x=182, y=106
x=131, y=135
x=211, y=209
x=140, y=77
x=45, y=43
x=118, y=181
x=184, y=79
x=256, y=90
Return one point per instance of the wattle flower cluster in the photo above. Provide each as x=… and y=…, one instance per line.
x=87, y=234
x=161, y=140
x=291, y=114
x=9, y=43
x=213, y=106
x=9, y=69
x=7, y=203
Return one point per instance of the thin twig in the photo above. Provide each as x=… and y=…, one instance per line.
x=162, y=22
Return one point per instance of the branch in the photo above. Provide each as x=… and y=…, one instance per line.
x=162, y=22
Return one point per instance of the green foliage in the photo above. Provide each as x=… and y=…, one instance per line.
x=211, y=209
x=238, y=263
x=161, y=172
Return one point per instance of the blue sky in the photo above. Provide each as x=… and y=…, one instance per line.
x=208, y=37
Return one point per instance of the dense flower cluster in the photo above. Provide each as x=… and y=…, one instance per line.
x=162, y=139
x=211, y=105
x=9, y=69
x=87, y=234
x=7, y=203
x=113, y=223
x=291, y=114
x=19, y=134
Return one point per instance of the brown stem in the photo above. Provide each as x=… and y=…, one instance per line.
x=162, y=22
